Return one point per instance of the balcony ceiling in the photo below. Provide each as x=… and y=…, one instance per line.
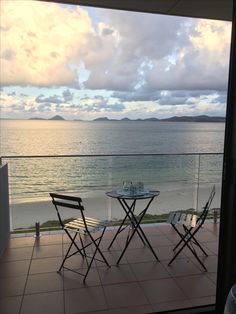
x=211, y=9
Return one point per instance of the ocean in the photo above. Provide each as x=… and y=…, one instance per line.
x=32, y=178
x=179, y=159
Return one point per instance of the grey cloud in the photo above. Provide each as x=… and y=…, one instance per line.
x=175, y=97
x=67, y=95
x=107, y=31
x=143, y=39
x=149, y=53
x=138, y=95
x=221, y=98
x=51, y=99
x=43, y=106
x=103, y=106
x=8, y=54
x=11, y=94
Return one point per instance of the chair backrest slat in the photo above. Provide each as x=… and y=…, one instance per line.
x=68, y=205
x=206, y=208
x=66, y=201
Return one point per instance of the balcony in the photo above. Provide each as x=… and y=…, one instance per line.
x=29, y=282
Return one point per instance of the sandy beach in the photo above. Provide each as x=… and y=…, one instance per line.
x=25, y=215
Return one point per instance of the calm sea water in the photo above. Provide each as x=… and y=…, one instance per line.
x=31, y=137
x=32, y=179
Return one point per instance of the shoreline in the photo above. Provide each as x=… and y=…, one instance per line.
x=25, y=215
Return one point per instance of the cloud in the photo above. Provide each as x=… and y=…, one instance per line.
x=51, y=99
x=39, y=41
x=166, y=53
x=67, y=95
x=45, y=44
x=141, y=64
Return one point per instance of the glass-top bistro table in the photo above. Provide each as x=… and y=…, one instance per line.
x=128, y=203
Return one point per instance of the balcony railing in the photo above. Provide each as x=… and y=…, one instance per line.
x=184, y=181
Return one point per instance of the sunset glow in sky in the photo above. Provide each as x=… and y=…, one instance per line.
x=84, y=63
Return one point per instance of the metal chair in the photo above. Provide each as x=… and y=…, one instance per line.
x=82, y=226
x=191, y=224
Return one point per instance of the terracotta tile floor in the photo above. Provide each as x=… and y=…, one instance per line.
x=29, y=283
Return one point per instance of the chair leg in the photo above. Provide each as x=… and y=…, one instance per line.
x=68, y=251
x=186, y=243
x=96, y=250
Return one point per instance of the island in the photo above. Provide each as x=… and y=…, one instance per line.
x=57, y=117
x=202, y=118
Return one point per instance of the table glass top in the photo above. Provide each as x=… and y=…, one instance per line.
x=127, y=195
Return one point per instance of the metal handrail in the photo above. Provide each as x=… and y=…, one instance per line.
x=106, y=155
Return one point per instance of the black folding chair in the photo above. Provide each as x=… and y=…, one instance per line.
x=84, y=227
x=191, y=224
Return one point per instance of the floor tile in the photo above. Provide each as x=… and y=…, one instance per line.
x=199, y=252
x=205, y=236
x=84, y=300
x=201, y=286
x=112, y=258
x=210, y=263
x=116, y=274
x=139, y=255
x=51, y=302
x=49, y=239
x=10, y=305
x=160, y=240
x=203, y=301
x=47, y=251
x=17, y=254
x=134, y=244
x=21, y=242
x=166, y=253
x=149, y=270
x=152, y=230
x=45, y=265
x=12, y=269
x=44, y=283
x=162, y=290
x=166, y=228
x=106, y=243
x=212, y=277
x=181, y=267
x=12, y=286
x=212, y=247
x=123, y=295
x=142, y=309
x=97, y=312
x=78, y=262
x=139, y=284
x=171, y=305
x=75, y=281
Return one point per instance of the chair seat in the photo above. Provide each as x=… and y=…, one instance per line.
x=84, y=225
x=186, y=226
x=189, y=220
x=78, y=225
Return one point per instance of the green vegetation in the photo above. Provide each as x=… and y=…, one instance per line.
x=51, y=225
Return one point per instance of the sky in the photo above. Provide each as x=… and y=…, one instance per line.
x=85, y=63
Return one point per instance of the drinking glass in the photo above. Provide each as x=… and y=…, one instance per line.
x=126, y=186
x=140, y=186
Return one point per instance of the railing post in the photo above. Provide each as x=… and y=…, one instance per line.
x=198, y=179
x=4, y=208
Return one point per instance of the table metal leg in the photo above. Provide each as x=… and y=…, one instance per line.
x=136, y=226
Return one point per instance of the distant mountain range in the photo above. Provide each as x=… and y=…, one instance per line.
x=202, y=118
x=53, y=118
